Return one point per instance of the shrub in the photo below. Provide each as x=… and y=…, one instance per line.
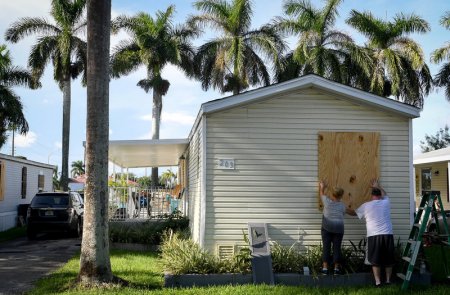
x=180, y=256
x=286, y=259
x=148, y=232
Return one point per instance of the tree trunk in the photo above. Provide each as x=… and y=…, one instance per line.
x=95, y=265
x=156, y=121
x=65, y=133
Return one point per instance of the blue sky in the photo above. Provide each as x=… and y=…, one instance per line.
x=130, y=106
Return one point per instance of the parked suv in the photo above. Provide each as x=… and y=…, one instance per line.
x=55, y=211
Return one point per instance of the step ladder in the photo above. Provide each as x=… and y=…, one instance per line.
x=427, y=207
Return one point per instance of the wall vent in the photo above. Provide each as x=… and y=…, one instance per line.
x=225, y=251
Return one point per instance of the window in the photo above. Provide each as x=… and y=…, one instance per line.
x=426, y=179
x=41, y=182
x=24, y=183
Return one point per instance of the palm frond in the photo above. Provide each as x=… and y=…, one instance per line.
x=125, y=58
x=28, y=26
x=441, y=54
x=406, y=24
x=442, y=79
x=445, y=20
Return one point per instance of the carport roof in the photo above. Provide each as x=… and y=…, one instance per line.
x=147, y=153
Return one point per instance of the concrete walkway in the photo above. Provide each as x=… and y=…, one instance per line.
x=22, y=262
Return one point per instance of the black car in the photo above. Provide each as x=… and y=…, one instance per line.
x=55, y=211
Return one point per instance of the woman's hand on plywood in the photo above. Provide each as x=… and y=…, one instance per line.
x=323, y=186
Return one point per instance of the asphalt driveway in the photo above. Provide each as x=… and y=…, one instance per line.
x=22, y=262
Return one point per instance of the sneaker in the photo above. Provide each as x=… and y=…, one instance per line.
x=337, y=271
x=324, y=271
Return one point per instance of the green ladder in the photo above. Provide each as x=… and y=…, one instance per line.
x=426, y=208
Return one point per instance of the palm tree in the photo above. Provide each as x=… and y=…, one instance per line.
x=77, y=168
x=95, y=264
x=399, y=68
x=154, y=43
x=168, y=178
x=321, y=49
x=236, y=58
x=60, y=44
x=442, y=79
x=11, y=115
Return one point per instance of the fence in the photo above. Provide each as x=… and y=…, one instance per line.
x=142, y=203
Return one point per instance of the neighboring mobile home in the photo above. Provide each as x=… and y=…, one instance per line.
x=431, y=171
x=20, y=180
x=258, y=157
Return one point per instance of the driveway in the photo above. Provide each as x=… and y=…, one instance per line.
x=22, y=262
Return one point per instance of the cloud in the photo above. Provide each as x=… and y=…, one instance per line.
x=25, y=140
x=58, y=144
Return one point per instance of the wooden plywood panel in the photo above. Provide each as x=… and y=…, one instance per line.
x=349, y=160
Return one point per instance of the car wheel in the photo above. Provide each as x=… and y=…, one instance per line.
x=79, y=229
x=31, y=233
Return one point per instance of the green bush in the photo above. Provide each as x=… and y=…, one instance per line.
x=181, y=256
x=148, y=232
x=287, y=259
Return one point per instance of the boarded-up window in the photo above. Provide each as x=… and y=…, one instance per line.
x=2, y=180
x=41, y=182
x=24, y=183
x=349, y=160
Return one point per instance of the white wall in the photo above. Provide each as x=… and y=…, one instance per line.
x=195, y=160
x=274, y=145
x=439, y=182
x=13, y=184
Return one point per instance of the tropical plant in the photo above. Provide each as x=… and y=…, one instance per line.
x=11, y=109
x=435, y=142
x=77, y=168
x=168, y=178
x=59, y=43
x=154, y=43
x=286, y=259
x=236, y=59
x=56, y=183
x=181, y=255
x=442, y=78
x=321, y=49
x=144, y=182
x=399, y=68
x=149, y=233
x=95, y=265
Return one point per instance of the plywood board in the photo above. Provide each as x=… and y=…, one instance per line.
x=349, y=160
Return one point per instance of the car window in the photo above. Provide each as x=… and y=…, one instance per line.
x=50, y=200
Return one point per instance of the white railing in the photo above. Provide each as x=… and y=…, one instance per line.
x=140, y=203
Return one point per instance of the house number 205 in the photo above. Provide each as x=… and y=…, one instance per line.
x=226, y=163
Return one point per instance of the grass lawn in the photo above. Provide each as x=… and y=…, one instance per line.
x=13, y=233
x=145, y=274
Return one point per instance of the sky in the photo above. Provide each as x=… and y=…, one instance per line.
x=130, y=106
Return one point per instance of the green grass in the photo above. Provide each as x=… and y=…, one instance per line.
x=13, y=233
x=145, y=274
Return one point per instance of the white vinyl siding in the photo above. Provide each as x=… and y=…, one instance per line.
x=439, y=182
x=194, y=178
x=13, y=187
x=274, y=145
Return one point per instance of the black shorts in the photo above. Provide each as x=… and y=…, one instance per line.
x=380, y=250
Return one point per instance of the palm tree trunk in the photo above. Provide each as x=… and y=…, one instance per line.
x=156, y=122
x=65, y=133
x=95, y=265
